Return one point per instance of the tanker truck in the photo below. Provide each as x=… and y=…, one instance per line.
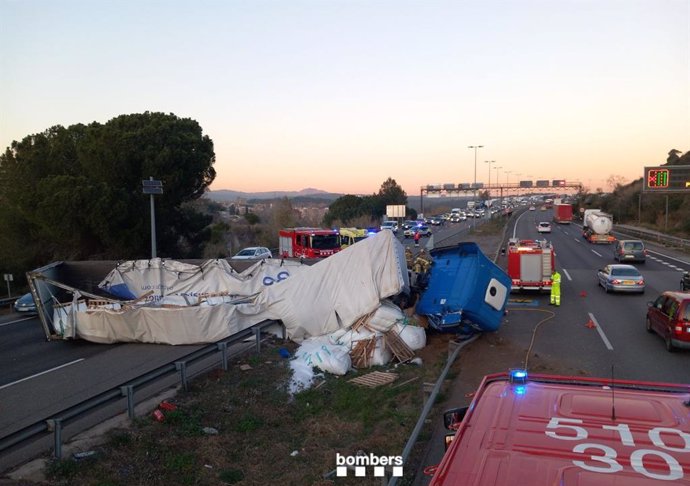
x=596, y=226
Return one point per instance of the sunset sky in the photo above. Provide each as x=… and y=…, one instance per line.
x=340, y=95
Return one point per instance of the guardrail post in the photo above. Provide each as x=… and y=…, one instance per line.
x=257, y=333
x=427, y=389
x=56, y=426
x=181, y=366
x=223, y=347
x=128, y=391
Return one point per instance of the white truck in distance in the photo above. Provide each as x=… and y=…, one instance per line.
x=597, y=226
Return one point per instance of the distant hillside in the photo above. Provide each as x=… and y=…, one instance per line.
x=227, y=195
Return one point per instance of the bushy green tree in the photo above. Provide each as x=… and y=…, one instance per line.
x=345, y=209
x=391, y=193
x=76, y=192
x=348, y=208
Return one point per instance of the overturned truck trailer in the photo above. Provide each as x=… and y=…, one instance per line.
x=194, y=302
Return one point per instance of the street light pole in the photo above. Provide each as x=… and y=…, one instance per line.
x=474, y=197
x=489, y=182
x=497, y=183
x=475, y=147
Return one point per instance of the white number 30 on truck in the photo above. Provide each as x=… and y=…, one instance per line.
x=554, y=430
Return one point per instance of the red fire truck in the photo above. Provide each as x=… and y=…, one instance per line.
x=530, y=264
x=546, y=430
x=308, y=242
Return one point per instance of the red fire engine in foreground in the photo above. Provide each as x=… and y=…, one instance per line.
x=530, y=264
x=308, y=242
x=546, y=430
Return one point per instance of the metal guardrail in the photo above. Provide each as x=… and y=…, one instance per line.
x=7, y=301
x=651, y=235
x=55, y=424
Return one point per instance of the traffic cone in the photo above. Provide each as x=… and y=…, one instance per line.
x=583, y=293
x=590, y=324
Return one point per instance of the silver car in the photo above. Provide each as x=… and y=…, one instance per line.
x=25, y=303
x=621, y=278
x=253, y=253
x=629, y=251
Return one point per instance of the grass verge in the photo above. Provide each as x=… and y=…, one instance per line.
x=244, y=428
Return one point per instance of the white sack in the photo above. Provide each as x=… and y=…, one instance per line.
x=385, y=316
x=382, y=355
x=413, y=336
x=319, y=353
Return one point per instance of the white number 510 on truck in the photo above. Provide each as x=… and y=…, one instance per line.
x=551, y=430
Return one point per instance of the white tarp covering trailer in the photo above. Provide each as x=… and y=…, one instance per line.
x=175, y=302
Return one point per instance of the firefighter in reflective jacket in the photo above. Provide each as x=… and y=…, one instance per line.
x=422, y=263
x=555, y=288
x=409, y=259
x=421, y=267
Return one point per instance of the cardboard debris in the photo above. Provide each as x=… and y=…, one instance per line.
x=375, y=379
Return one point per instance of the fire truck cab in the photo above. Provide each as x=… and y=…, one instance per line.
x=308, y=242
x=547, y=430
x=530, y=264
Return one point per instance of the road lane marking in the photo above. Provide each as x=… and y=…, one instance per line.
x=669, y=257
x=41, y=373
x=577, y=240
x=595, y=252
x=16, y=321
x=567, y=274
x=601, y=332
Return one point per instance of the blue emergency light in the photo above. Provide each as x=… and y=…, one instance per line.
x=518, y=376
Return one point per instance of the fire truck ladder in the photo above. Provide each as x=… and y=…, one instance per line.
x=546, y=263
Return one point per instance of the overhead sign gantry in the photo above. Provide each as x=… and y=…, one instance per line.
x=462, y=189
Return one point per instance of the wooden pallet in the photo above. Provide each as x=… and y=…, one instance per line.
x=362, y=353
x=397, y=346
x=362, y=321
x=374, y=379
